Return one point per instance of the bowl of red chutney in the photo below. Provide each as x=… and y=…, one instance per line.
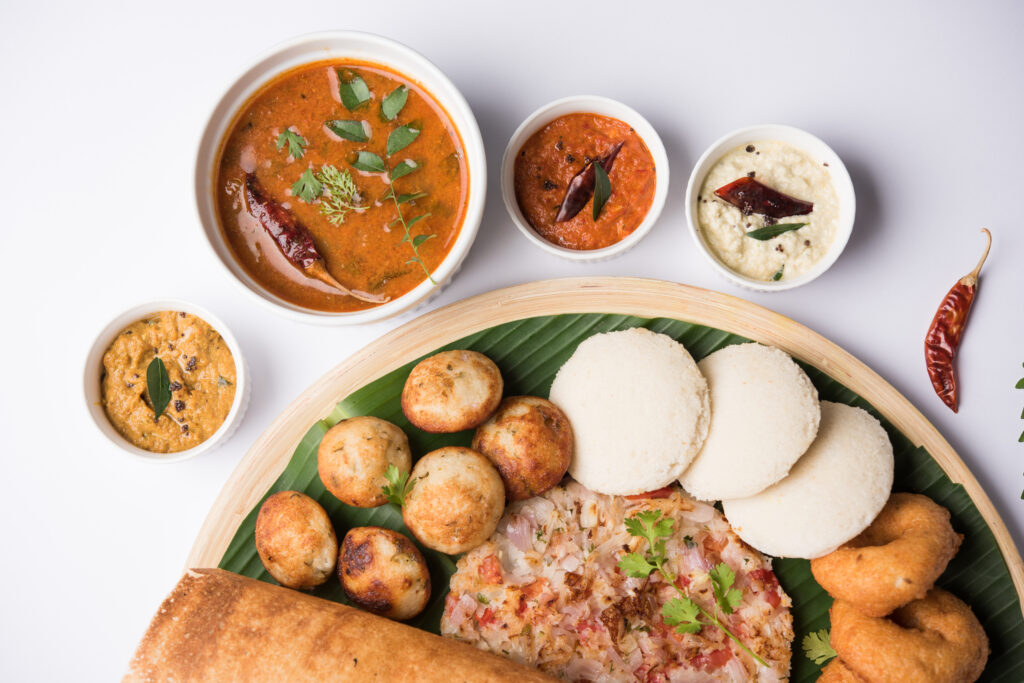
x=585, y=178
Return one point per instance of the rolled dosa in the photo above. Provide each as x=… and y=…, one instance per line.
x=219, y=626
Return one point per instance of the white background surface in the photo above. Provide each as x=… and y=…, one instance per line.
x=101, y=107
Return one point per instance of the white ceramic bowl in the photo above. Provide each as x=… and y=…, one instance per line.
x=595, y=105
x=335, y=45
x=798, y=138
x=94, y=372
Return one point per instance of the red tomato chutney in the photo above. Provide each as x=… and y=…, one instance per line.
x=282, y=137
x=549, y=160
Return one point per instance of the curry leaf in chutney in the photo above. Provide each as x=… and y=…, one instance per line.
x=369, y=162
x=770, y=231
x=778, y=273
x=307, y=187
x=354, y=92
x=296, y=143
x=393, y=103
x=602, y=188
x=401, y=138
x=158, y=386
x=349, y=130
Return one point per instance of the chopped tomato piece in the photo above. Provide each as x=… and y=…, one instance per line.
x=765, y=576
x=771, y=596
x=535, y=588
x=521, y=608
x=490, y=570
x=486, y=619
x=682, y=582
x=710, y=661
x=663, y=492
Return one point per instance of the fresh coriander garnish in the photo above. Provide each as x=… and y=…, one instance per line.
x=393, y=103
x=778, y=273
x=369, y=162
x=818, y=647
x=349, y=130
x=354, y=92
x=602, y=188
x=296, y=143
x=398, y=487
x=307, y=187
x=682, y=613
x=401, y=138
x=770, y=231
x=158, y=386
x=342, y=195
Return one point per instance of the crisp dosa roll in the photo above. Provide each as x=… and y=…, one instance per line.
x=219, y=626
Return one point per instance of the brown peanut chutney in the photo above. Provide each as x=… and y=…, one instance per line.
x=202, y=381
x=365, y=252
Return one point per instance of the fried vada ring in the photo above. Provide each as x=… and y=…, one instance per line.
x=837, y=672
x=895, y=560
x=933, y=640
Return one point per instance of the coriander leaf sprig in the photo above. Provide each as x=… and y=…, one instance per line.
x=296, y=143
x=818, y=647
x=682, y=613
x=398, y=487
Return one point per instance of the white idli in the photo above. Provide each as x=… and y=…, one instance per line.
x=638, y=407
x=832, y=493
x=764, y=415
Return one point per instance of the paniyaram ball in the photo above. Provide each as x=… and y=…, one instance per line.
x=764, y=416
x=354, y=456
x=452, y=391
x=639, y=410
x=832, y=493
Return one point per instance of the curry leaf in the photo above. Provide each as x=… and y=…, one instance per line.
x=420, y=239
x=393, y=103
x=349, y=130
x=158, y=386
x=401, y=138
x=354, y=93
x=403, y=169
x=369, y=162
x=307, y=187
x=296, y=143
x=778, y=273
x=770, y=231
x=417, y=219
x=403, y=198
x=602, y=188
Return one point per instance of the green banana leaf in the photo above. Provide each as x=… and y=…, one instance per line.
x=529, y=353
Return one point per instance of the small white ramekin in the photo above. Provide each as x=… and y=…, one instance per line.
x=592, y=104
x=809, y=144
x=94, y=373
x=317, y=47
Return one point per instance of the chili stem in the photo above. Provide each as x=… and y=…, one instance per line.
x=408, y=237
x=972, y=277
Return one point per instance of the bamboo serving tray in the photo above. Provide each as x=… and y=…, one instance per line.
x=269, y=455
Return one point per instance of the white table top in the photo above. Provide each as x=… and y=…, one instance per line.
x=102, y=106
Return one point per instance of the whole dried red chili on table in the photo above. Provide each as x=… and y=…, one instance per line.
x=943, y=339
x=294, y=239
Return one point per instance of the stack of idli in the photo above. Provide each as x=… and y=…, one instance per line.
x=639, y=410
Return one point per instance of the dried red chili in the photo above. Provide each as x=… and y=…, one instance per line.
x=581, y=187
x=751, y=196
x=943, y=339
x=294, y=239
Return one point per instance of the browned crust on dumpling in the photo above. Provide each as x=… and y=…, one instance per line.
x=383, y=572
x=530, y=441
x=456, y=501
x=452, y=391
x=295, y=540
x=354, y=455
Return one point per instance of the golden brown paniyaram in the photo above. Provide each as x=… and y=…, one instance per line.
x=219, y=626
x=383, y=572
x=295, y=540
x=354, y=455
x=452, y=391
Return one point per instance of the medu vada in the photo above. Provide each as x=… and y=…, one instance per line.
x=895, y=560
x=837, y=672
x=936, y=639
